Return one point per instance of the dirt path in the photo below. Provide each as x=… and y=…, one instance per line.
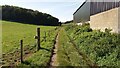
x=53, y=61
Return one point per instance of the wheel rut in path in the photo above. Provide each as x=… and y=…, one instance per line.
x=53, y=59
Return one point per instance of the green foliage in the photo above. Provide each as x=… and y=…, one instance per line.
x=101, y=47
x=108, y=30
x=23, y=15
x=66, y=54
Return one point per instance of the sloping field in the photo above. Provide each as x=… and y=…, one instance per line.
x=13, y=32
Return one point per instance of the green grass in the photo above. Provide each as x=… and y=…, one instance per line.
x=42, y=57
x=13, y=32
x=67, y=54
x=101, y=47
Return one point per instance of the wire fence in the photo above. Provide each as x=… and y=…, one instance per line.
x=20, y=54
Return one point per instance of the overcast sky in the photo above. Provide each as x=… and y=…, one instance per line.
x=62, y=9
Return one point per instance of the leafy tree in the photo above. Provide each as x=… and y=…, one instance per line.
x=28, y=16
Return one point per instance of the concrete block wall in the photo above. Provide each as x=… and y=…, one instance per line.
x=108, y=19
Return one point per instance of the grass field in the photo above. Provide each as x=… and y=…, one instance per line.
x=77, y=45
x=13, y=32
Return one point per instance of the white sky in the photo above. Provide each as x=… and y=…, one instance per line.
x=61, y=9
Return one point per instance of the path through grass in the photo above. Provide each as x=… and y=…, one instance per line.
x=67, y=54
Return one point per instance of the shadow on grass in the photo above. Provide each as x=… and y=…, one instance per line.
x=26, y=63
x=30, y=65
x=45, y=49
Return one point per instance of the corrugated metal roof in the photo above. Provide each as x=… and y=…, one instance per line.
x=79, y=7
x=93, y=1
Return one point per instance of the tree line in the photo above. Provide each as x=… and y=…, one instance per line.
x=28, y=16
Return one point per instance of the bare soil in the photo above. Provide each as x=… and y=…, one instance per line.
x=53, y=61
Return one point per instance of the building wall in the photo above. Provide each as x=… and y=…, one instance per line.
x=83, y=14
x=98, y=7
x=101, y=15
x=91, y=8
x=108, y=19
x=119, y=20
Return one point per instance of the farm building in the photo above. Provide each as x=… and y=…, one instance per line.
x=101, y=14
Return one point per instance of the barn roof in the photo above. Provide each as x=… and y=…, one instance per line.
x=79, y=7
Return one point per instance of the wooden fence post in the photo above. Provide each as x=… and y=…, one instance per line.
x=38, y=38
x=21, y=47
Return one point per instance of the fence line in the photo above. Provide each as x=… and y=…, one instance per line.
x=18, y=55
